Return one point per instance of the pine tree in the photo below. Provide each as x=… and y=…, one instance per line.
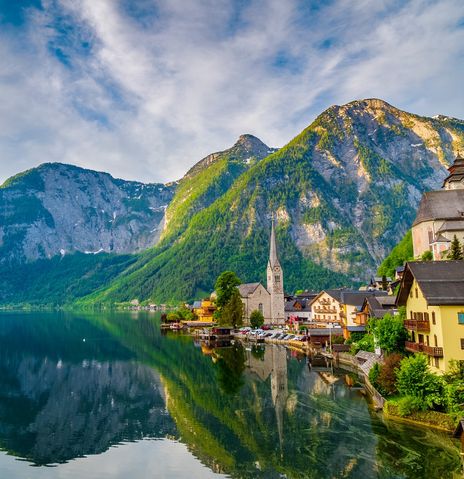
x=455, y=251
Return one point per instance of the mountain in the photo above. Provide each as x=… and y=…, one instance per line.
x=345, y=191
x=209, y=179
x=57, y=209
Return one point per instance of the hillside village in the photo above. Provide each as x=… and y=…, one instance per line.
x=428, y=292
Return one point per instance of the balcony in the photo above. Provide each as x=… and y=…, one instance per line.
x=325, y=310
x=414, y=325
x=423, y=348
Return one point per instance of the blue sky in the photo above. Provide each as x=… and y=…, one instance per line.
x=145, y=88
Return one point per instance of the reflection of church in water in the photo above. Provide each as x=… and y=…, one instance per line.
x=275, y=366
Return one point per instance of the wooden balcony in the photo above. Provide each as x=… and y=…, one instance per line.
x=414, y=325
x=325, y=310
x=423, y=348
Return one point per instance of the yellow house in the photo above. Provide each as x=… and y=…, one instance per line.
x=433, y=293
x=204, y=310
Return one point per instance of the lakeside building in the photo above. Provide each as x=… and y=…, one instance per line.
x=269, y=301
x=441, y=215
x=340, y=307
x=433, y=294
x=204, y=309
x=375, y=307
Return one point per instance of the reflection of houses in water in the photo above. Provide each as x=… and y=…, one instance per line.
x=273, y=364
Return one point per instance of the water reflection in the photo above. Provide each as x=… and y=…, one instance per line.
x=249, y=412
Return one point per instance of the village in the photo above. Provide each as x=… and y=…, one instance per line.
x=425, y=298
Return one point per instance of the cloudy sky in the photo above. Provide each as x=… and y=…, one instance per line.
x=145, y=88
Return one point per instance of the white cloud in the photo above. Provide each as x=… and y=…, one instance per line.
x=151, y=98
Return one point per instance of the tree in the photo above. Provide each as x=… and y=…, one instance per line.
x=415, y=380
x=256, y=319
x=390, y=333
x=232, y=312
x=427, y=256
x=386, y=379
x=225, y=286
x=455, y=251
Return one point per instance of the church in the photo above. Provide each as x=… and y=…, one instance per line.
x=269, y=301
x=441, y=215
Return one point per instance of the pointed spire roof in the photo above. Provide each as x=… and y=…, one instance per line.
x=273, y=259
x=456, y=172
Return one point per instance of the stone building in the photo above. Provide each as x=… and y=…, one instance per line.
x=441, y=215
x=270, y=301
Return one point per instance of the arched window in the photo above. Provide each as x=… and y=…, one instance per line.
x=260, y=307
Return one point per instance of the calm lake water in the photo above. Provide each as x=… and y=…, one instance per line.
x=108, y=396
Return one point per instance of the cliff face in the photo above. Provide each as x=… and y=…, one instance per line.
x=345, y=191
x=59, y=209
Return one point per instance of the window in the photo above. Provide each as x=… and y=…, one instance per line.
x=417, y=293
x=435, y=340
x=428, y=340
x=433, y=317
x=426, y=316
x=260, y=307
x=277, y=279
x=437, y=363
x=461, y=318
x=462, y=343
x=412, y=315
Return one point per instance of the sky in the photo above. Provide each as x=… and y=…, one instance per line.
x=143, y=89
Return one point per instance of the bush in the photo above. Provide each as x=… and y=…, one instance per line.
x=374, y=374
x=364, y=344
x=408, y=405
x=414, y=379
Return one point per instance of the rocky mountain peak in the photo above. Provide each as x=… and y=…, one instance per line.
x=251, y=145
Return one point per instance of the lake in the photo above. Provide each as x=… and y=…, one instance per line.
x=108, y=395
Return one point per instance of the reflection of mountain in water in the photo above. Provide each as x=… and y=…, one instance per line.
x=53, y=410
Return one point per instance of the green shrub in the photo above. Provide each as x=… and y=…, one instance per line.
x=389, y=332
x=408, y=405
x=414, y=379
x=374, y=374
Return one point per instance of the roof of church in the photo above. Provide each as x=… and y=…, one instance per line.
x=456, y=225
x=441, y=205
x=247, y=289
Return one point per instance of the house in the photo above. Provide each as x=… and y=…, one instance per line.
x=270, y=301
x=204, y=310
x=433, y=294
x=380, y=283
x=441, y=215
x=340, y=307
x=375, y=306
x=297, y=309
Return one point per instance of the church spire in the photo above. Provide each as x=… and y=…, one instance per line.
x=273, y=259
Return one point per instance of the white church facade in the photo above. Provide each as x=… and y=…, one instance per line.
x=270, y=301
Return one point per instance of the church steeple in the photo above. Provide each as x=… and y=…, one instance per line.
x=273, y=259
x=455, y=179
x=275, y=281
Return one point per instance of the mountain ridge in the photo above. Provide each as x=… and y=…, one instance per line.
x=345, y=191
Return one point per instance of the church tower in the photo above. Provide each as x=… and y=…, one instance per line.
x=275, y=282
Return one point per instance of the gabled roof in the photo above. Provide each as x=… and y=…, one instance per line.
x=247, y=289
x=441, y=239
x=441, y=282
x=441, y=205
